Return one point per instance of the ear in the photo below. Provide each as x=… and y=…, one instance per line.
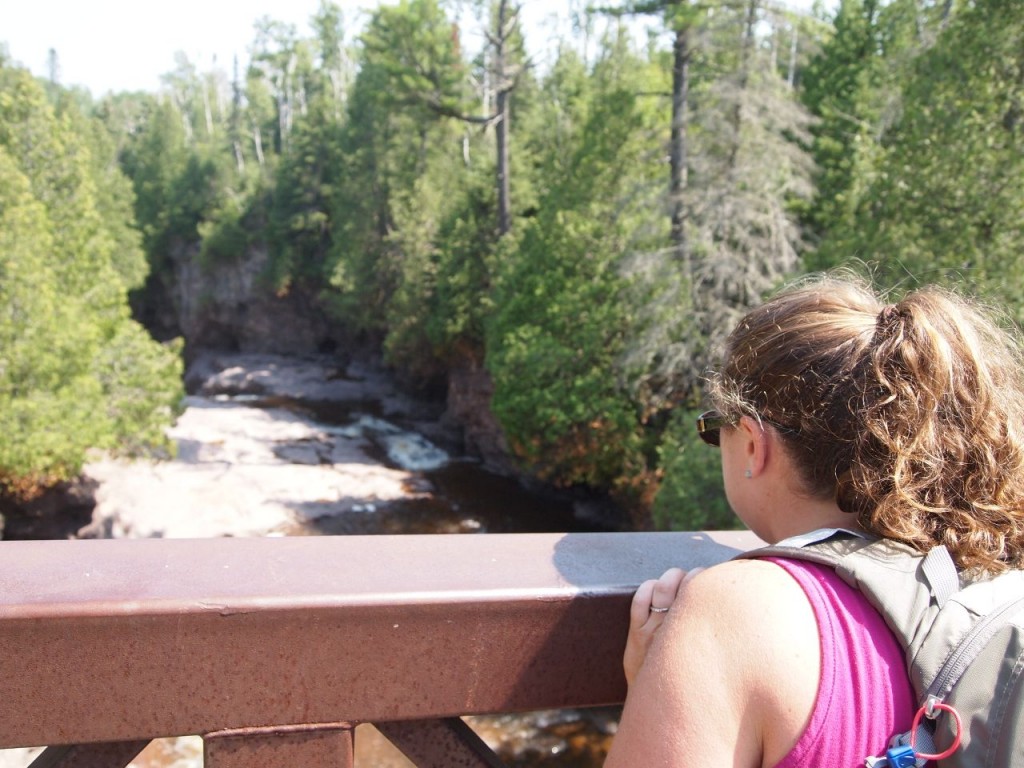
x=756, y=444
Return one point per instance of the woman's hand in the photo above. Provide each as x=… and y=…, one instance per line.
x=650, y=606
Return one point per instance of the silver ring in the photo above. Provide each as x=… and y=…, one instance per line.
x=658, y=610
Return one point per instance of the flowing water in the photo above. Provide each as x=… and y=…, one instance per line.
x=461, y=496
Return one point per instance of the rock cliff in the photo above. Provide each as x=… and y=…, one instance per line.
x=230, y=307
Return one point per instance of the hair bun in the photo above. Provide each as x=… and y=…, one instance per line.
x=889, y=315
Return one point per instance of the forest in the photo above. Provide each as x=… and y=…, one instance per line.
x=586, y=232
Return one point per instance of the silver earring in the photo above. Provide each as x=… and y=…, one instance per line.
x=748, y=474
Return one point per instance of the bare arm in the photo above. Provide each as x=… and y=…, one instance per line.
x=729, y=679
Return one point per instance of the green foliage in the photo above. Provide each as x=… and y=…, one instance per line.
x=556, y=336
x=361, y=208
x=401, y=180
x=445, y=235
x=115, y=201
x=44, y=378
x=549, y=132
x=559, y=329
x=300, y=221
x=853, y=86
x=838, y=87
x=187, y=198
x=154, y=158
x=75, y=372
x=308, y=167
x=141, y=385
x=465, y=270
x=225, y=234
x=946, y=198
x=414, y=42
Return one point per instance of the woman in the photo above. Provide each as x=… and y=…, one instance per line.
x=832, y=410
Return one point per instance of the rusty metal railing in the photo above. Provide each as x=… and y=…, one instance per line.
x=274, y=649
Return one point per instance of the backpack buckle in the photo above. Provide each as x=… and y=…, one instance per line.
x=900, y=754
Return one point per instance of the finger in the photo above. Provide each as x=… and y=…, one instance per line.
x=666, y=588
x=640, y=608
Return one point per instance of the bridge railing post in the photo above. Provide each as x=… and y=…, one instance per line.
x=313, y=746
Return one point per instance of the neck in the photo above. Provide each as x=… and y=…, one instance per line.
x=803, y=515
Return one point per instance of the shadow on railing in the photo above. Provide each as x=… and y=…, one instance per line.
x=274, y=649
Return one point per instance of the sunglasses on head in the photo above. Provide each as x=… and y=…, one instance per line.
x=709, y=427
x=710, y=423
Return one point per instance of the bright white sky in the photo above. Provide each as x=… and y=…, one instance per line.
x=121, y=45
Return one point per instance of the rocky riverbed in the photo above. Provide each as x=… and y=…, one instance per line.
x=250, y=461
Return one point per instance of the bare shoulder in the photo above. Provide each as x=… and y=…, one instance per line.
x=755, y=614
x=737, y=586
x=740, y=641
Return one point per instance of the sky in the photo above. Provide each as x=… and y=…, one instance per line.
x=123, y=45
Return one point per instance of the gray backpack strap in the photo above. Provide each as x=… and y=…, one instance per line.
x=941, y=574
x=896, y=581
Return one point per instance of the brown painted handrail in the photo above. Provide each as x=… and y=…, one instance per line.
x=120, y=641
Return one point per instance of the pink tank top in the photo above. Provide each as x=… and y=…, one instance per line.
x=864, y=696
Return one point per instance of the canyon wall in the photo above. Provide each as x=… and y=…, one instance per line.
x=229, y=307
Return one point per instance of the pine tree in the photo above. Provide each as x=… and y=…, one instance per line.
x=561, y=303
x=75, y=371
x=946, y=199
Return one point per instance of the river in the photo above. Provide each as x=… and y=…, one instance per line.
x=277, y=446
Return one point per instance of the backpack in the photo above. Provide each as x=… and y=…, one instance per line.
x=963, y=636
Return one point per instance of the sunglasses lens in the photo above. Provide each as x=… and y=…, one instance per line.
x=709, y=427
x=712, y=437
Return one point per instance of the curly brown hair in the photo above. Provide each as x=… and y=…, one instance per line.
x=910, y=415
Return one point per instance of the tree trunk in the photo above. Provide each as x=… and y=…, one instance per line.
x=236, y=119
x=743, y=83
x=257, y=142
x=207, y=110
x=502, y=128
x=791, y=74
x=681, y=51
x=504, y=195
